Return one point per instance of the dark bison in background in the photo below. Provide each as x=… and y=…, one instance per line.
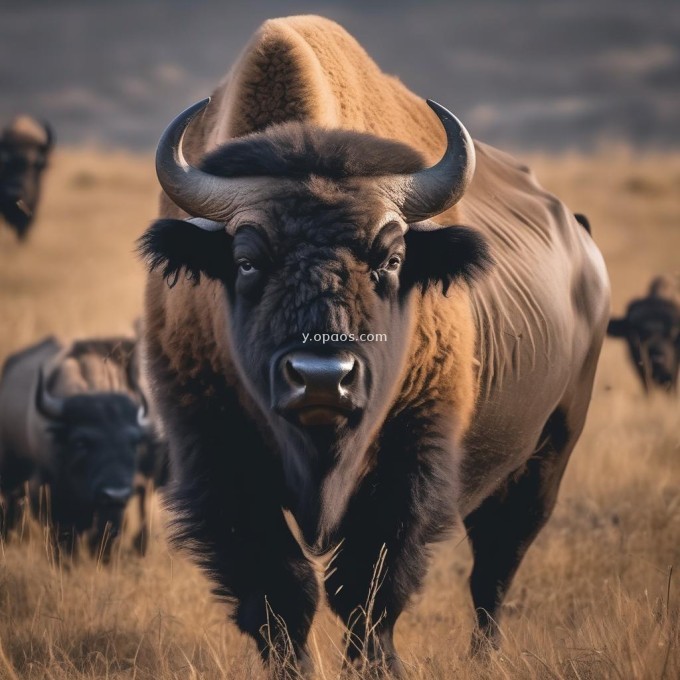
x=25, y=146
x=72, y=420
x=651, y=327
x=307, y=197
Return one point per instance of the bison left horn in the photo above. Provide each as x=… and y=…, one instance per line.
x=196, y=192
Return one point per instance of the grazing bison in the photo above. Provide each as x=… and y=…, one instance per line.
x=25, y=146
x=316, y=206
x=651, y=326
x=72, y=420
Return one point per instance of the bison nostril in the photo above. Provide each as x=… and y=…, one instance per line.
x=351, y=376
x=293, y=376
x=317, y=378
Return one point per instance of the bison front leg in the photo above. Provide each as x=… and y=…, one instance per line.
x=228, y=501
x=406, y=503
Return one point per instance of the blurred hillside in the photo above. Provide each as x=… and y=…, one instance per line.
x=526, y=74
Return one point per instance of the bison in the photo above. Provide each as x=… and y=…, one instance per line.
x=25, y=146
x=306, y=198
x=651, y=327
x=73, y=420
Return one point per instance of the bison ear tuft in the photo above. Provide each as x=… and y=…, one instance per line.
x=618, y=328
x=445, y=256
x=176, y=246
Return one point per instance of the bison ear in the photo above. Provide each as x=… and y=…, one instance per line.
x=176, y=246
x=617, y=328
x=444, y=255
x=583, y=221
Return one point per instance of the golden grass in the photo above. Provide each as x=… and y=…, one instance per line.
x=596, y=596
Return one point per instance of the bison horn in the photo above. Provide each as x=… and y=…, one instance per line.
x=133, y=369
x=48, y=405
x=432, y=191
x=143, y=419
x=49, y=136
x=194, y=191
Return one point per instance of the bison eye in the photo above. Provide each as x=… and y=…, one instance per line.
x=393, y=263
x=246, y=267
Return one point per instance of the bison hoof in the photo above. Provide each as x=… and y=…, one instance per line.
x=301, y=668
x=388, y=668
x=483, y=643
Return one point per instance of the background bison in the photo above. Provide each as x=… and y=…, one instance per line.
x=73, y=424
x=651, y=328
x=25, y=147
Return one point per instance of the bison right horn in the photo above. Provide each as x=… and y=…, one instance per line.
x=48, y=405
x=426, y=193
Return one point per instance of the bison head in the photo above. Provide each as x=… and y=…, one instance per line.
x=320, y=238
x=24, y=149
x=95, y=442
x=652, y=329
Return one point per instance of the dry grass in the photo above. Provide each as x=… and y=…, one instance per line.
x=595, y=598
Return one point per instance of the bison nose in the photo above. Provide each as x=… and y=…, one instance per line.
x=114, y=495
x=304, y=381
x=329, y=376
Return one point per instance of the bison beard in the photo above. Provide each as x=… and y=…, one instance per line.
x=306, y=218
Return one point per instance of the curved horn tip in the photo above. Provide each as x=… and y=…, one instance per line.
x=440, y=110
x=174, y=132
x=445, y=115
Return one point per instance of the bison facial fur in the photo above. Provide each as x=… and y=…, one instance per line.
x=328, y=256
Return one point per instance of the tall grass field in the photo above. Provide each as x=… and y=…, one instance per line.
x=598, y=595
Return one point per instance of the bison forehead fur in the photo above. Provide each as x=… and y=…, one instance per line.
x=297, y=150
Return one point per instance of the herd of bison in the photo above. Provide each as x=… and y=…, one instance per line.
x=81, y=438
